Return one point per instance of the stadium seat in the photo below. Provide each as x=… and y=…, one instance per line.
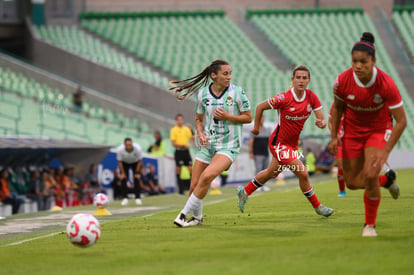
x=35, y=109
x=83, y=44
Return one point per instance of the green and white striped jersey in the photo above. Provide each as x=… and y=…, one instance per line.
x=222, y=134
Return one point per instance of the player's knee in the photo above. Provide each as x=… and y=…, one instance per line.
x=370, y=176
x=206, y=178
x=352, y=185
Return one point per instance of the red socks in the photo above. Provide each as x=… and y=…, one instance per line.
x=252, y=186
x=341, y=181
x=382, y=180
x=311, y=196
x=371, y=209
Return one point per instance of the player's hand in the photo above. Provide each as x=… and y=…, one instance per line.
x=122, y=176
x=320, y=123
x=333, y=146
x=220, y=114
x=255, y=131
x=380, y=158
x=203, y=140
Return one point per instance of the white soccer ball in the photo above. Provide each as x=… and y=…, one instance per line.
x=83, y=230
x=101, y=200
x=215, y=184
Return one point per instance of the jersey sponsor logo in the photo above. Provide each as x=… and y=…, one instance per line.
x=206, y=102
x=365, y=109
x=309, y=108
x=229, y=101
x=350, y=97
x=292, y=109
x=377, y=99
x=297, y=117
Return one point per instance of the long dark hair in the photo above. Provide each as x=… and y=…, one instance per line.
x=185, y=88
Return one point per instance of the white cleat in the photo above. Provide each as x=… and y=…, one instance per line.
x=193, y=222
x=124, y=202
x=180, y=220
x=138, y=201
x=369, y=231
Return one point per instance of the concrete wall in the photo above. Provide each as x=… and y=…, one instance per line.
x=111, y=82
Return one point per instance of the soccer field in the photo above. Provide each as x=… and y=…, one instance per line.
x=279, y=233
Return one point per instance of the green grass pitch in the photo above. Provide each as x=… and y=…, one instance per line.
x=279, y=233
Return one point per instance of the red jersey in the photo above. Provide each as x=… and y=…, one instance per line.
x=367, y=107
x=293, y=113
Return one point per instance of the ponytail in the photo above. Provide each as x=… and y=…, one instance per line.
x=185, y=88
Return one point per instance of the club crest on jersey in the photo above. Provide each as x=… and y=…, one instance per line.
x=350, y=97
x=309, y=108
x=377, y=99
x=229, y=101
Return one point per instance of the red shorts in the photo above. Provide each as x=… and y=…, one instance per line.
x=339, y=152
x=353, y=147
x=284, y=154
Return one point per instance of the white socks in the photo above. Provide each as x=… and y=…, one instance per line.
x=193, y=204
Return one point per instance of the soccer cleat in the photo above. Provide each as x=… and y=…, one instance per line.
x=193, y=222
x=124, y=202
x=342, y=194
x=323, y=210
x=138, y=201
x=180, y=220
x=391, y=185
x=369, y=231
x=242, y=198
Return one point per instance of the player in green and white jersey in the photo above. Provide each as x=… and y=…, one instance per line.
x=221, y=109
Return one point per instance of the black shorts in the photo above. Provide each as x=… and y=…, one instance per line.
x=183, y=158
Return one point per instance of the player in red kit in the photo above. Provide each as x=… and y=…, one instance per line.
x=367, y=98
x=383, y=179
x=294, y=108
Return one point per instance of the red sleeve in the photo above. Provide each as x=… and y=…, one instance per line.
x=337, y=88
x=277, y=101
x=393, y=96
x=315, y=102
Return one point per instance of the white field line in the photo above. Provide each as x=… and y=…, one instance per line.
x=32, y=239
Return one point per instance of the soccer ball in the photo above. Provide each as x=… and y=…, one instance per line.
x=100, y=200
x=83, y=230
x=215, y=184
